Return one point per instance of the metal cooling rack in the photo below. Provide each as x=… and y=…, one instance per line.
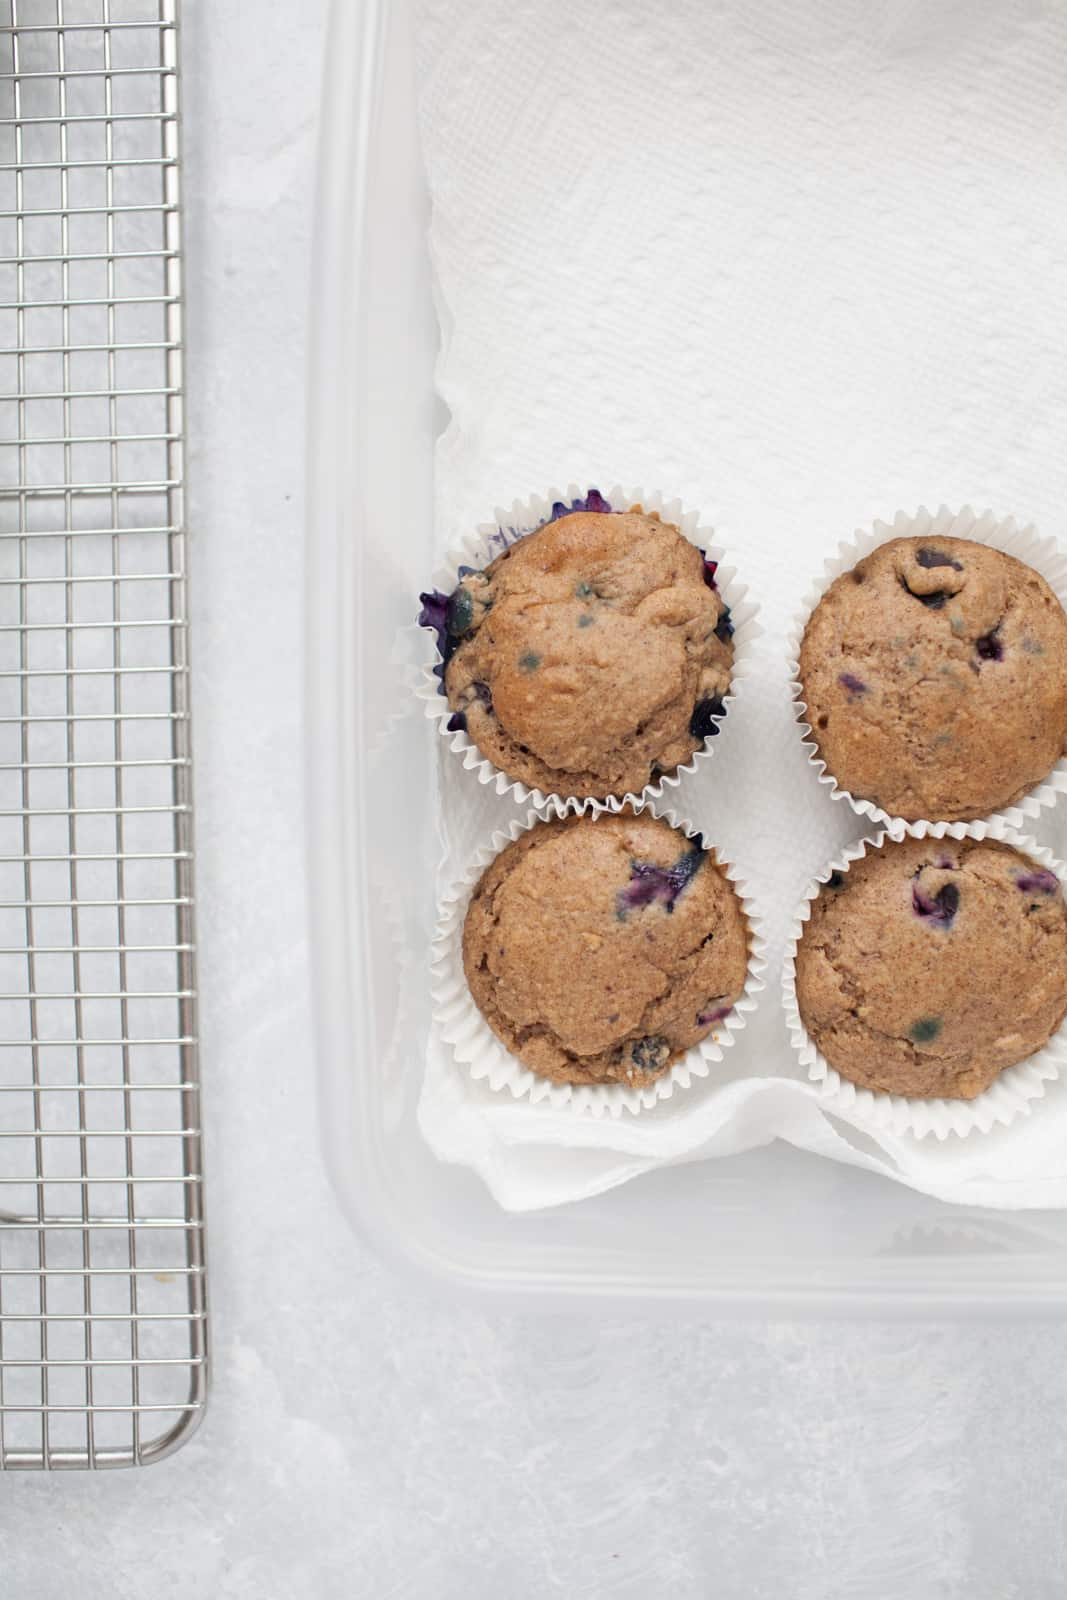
x=102, y=1309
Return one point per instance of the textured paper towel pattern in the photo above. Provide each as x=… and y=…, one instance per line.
x=800, y=266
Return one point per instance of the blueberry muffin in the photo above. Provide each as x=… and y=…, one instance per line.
x=935, y=677
x=600, y=950
x=933, y=964
x=589, y=657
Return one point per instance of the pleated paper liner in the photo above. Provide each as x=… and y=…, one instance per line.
x=1013, y=1093
x=477, y=1049
x=526, y=517
x=1044, y=555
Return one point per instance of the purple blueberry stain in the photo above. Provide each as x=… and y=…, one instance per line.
x=925, y=1030
x=724, y=628
x=585, y=620
x=651, y=884
x=457, y=722
x=1040, y=881
x=937, y=558
x=449, y=616
x=990, y=647
x=434, y=611
x=855, y=686
x=937, y=910
x=434, y=615
x=530, y=661
x=592, y=501
x=710, y=569
x=706, y=1019
x=704, y=723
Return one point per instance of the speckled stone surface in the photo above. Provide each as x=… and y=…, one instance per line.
x=365, y=1442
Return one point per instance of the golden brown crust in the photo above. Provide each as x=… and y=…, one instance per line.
x=600, y=950
x=591, y=643
x=931, y=965
x=937, y=688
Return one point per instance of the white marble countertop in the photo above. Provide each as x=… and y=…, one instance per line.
x=362, y=1438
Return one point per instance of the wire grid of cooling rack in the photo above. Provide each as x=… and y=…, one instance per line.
x=102, y=1304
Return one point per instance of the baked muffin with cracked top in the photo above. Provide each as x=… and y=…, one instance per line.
x=599, y=950
x=932, y=964
x=591, y=656
x=935, y=677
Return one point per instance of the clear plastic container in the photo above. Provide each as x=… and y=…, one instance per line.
x=772, y=1229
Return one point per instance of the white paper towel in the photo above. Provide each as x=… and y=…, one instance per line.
x=800, y=265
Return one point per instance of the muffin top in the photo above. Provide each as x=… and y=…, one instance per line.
x=933, y=964
x=935, y=677
x=590, y=656
x=600, y=950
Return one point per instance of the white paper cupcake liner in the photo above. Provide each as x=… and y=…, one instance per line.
x=477, y=1048
x=1044, y=555
x=1014, y=1091
x=526, y=516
